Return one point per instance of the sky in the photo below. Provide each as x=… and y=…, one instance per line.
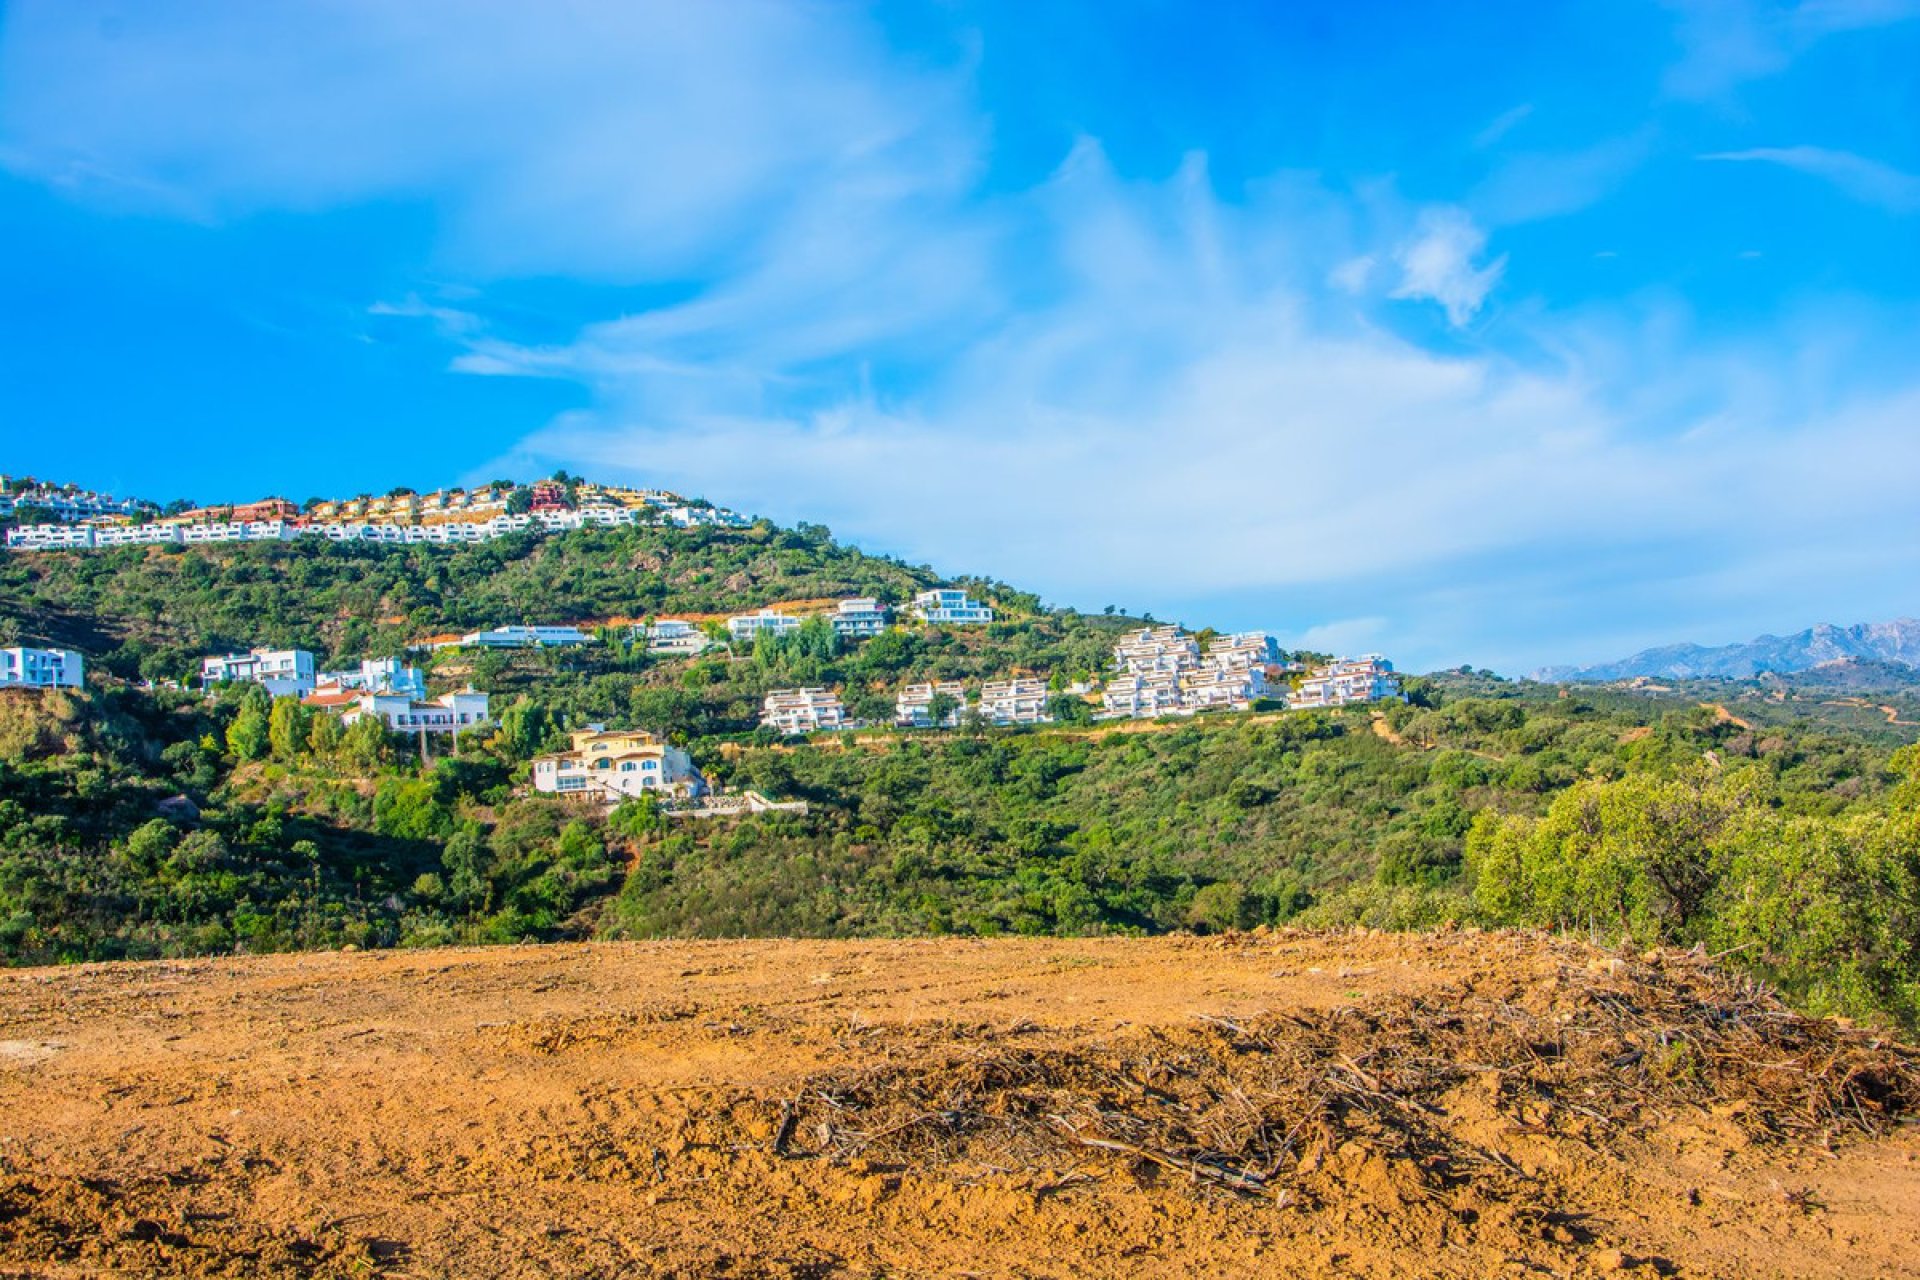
x=1502, y=334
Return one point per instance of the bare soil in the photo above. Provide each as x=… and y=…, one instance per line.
x=1353, y=1104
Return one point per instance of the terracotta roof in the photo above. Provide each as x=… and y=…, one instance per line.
x=330, y=699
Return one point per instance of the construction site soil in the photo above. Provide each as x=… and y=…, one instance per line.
x=1454, y=1104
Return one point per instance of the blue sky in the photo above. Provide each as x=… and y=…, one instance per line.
x=1507, y=333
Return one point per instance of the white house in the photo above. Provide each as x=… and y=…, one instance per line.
x=448, y=713
x=282, y=671
x=859, y=618
x=913, y=708
x=1345, y=681
x=745, y=626
x=1019, y=701
x=519, y=637
x=376, y=675
x=22, y=668
x=614, y=765
x=948, y=605
x=803, y=711
x=675, y=636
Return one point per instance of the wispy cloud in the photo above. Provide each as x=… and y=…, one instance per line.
x=1437, y=263
x=1726, y=43
x=1863, y=179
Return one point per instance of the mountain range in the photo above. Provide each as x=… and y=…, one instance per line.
x=1895, y=642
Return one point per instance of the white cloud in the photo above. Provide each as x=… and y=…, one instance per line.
x=1437, y=262
x=1866, y=180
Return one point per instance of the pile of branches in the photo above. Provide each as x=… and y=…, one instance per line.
x=1243, y=1105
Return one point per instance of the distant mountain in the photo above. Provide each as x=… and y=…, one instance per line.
x=1895, y=642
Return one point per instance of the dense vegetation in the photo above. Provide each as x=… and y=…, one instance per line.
x=1777, y=827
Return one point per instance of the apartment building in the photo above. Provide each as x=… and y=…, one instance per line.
x=744, y=627
x=24, y=668
x=69, y=505
x=793, y=711
x=1141, y=695
x=1018, y=701
x=283, y=672
x=859, y=618
x=263, y=510
x=913, y=708
x=950, y=606
x=1239, y=652
x=1346, y=681
x=615, y=765
x=1223, y=688
x=449, y=713
x=1156, y=651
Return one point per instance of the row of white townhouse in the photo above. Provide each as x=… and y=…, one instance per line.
x=27, y=668
x=61, y=537
x=1021, y=700
x=68, y=505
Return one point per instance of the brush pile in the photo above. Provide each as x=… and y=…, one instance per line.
x=1251, y=1106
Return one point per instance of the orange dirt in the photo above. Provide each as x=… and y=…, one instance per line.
x=1296, y=1104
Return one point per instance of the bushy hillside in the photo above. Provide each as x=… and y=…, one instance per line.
x=153, y=823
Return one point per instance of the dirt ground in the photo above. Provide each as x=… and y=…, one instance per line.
x=1346, y=1105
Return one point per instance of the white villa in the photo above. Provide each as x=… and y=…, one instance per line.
x=617, y=764
x=793, y=711
x=1228, y=688
x=374, y=675
x=745, y=626
x=1018, y=701
x=281, y=671
x=948, y=605
x=1347, y=680
x=859, y=618
x=913, y=709
x=449, y=713
x=23, y=668
x=675, y=636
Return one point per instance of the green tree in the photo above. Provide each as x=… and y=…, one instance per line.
x=288, y=727
x=248, y=737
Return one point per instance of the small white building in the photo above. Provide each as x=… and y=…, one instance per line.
x=744, y=627
x=449, y=713
x=950, y=606
x=792, y=711
x=24, y=668
x=616, y=765
x=281, y=671
x=1019, y=701
x=913, y=708
x=859, y=618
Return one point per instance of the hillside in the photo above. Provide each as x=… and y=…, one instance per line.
x=149, y=822
x=1896, y=642
x=1288, y=1104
